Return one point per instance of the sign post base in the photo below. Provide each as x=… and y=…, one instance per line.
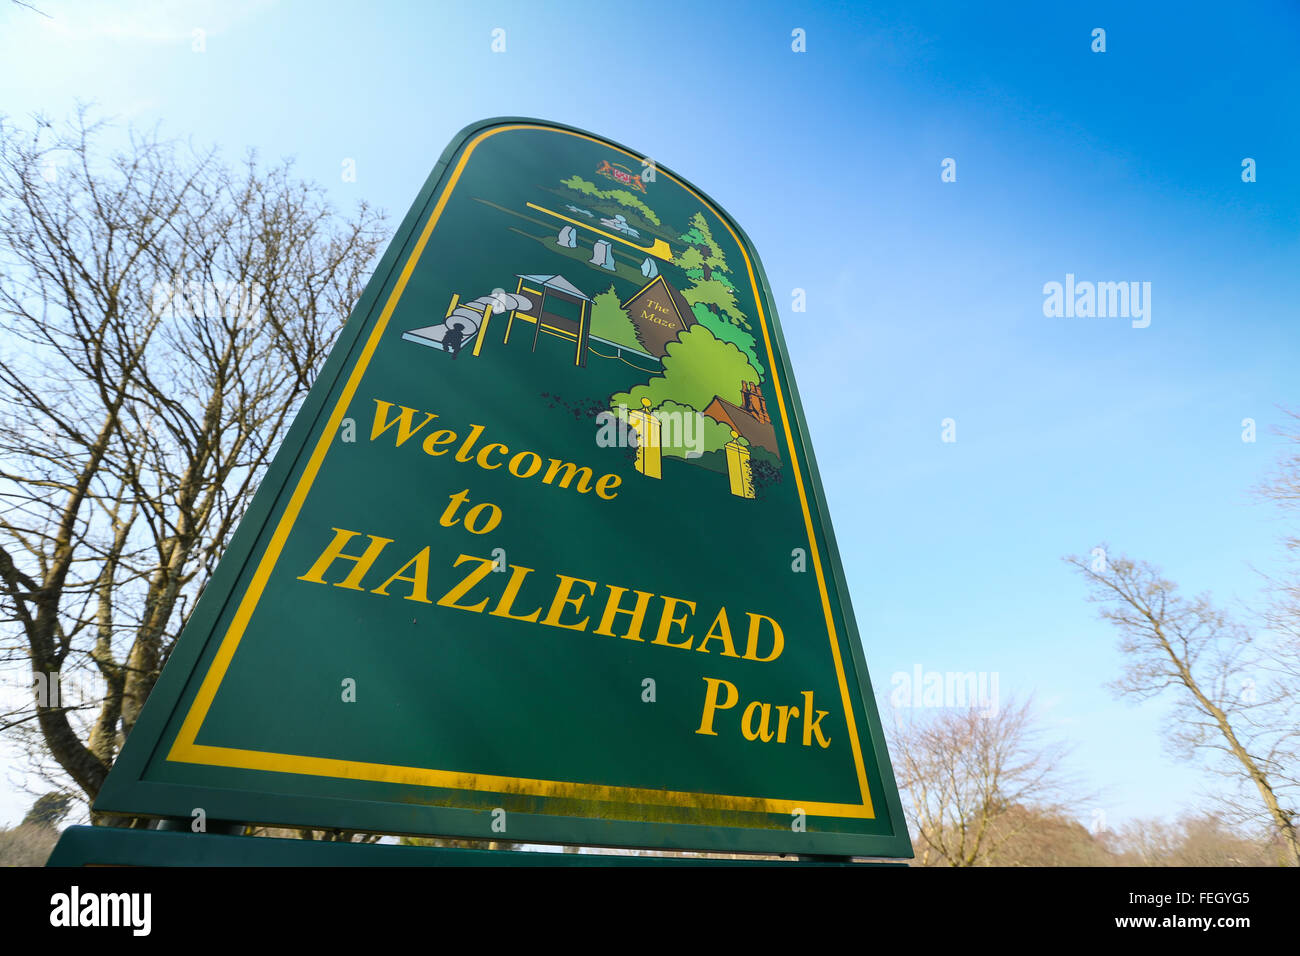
x=118, y=846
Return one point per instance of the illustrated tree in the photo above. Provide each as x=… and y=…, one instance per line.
x=725, y=331
x=1225, y=705
x=696, y=367
x=704, y=262
x=705, y=435
x=610, y=321
x=624, y=197
x=711, y=294
x=164, y=316
x=976, y=780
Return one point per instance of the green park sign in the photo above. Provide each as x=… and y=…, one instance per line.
x=545, y=556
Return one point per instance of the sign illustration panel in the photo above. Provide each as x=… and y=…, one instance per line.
x=545, y=556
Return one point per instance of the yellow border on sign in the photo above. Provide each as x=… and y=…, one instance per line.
x=185, y=749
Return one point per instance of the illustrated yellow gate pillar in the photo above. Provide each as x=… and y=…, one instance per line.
x=481, y=334
x=648, y=449
x=739, y=468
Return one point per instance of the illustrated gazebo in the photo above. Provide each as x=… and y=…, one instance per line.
x=556, y=307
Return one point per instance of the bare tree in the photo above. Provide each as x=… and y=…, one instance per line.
x=1282, y=614
x=1199, y=840
x=24, y=3
x=1224, y=706
x=1282, y=487
x=968, y=777
x=163, y=317
x=26, y=845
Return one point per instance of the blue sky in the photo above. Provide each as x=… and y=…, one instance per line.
x=924, y=297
